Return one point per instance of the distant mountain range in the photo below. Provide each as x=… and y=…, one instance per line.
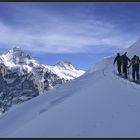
x=22, y=77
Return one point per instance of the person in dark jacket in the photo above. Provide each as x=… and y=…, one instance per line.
x=119, y=63
x=135, y=62
x=125, y=61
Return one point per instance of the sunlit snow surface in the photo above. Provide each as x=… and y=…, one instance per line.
x=97, y=104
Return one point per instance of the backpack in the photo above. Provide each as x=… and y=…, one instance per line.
x=136, y=60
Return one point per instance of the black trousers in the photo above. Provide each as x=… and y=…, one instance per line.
x=119, y=68
x=135, y=72
x=125, y=70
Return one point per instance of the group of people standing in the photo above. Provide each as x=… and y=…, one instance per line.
x=124, y=63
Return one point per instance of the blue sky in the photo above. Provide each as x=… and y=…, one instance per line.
x=80, y=32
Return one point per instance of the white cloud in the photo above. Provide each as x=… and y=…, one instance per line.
x=62, y=36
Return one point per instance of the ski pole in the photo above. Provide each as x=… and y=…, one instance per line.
x=114, y=69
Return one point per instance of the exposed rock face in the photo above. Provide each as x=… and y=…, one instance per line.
x=16, y=89
x=22, y=77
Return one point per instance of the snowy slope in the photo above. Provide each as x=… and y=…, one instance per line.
x=134, y=49
x=66, y=70
x=97, y=104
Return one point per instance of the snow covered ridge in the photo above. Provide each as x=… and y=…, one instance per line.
x=23, y=78
x=98, y=104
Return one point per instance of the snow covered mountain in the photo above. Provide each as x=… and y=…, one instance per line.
x=96, y=104
x=23, y=78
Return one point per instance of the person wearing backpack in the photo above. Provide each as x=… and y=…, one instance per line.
x=119, y=63
x=135, y=61
x=125, y=61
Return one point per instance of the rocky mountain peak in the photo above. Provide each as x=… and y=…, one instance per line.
x=23, y=78
x=65, y=65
